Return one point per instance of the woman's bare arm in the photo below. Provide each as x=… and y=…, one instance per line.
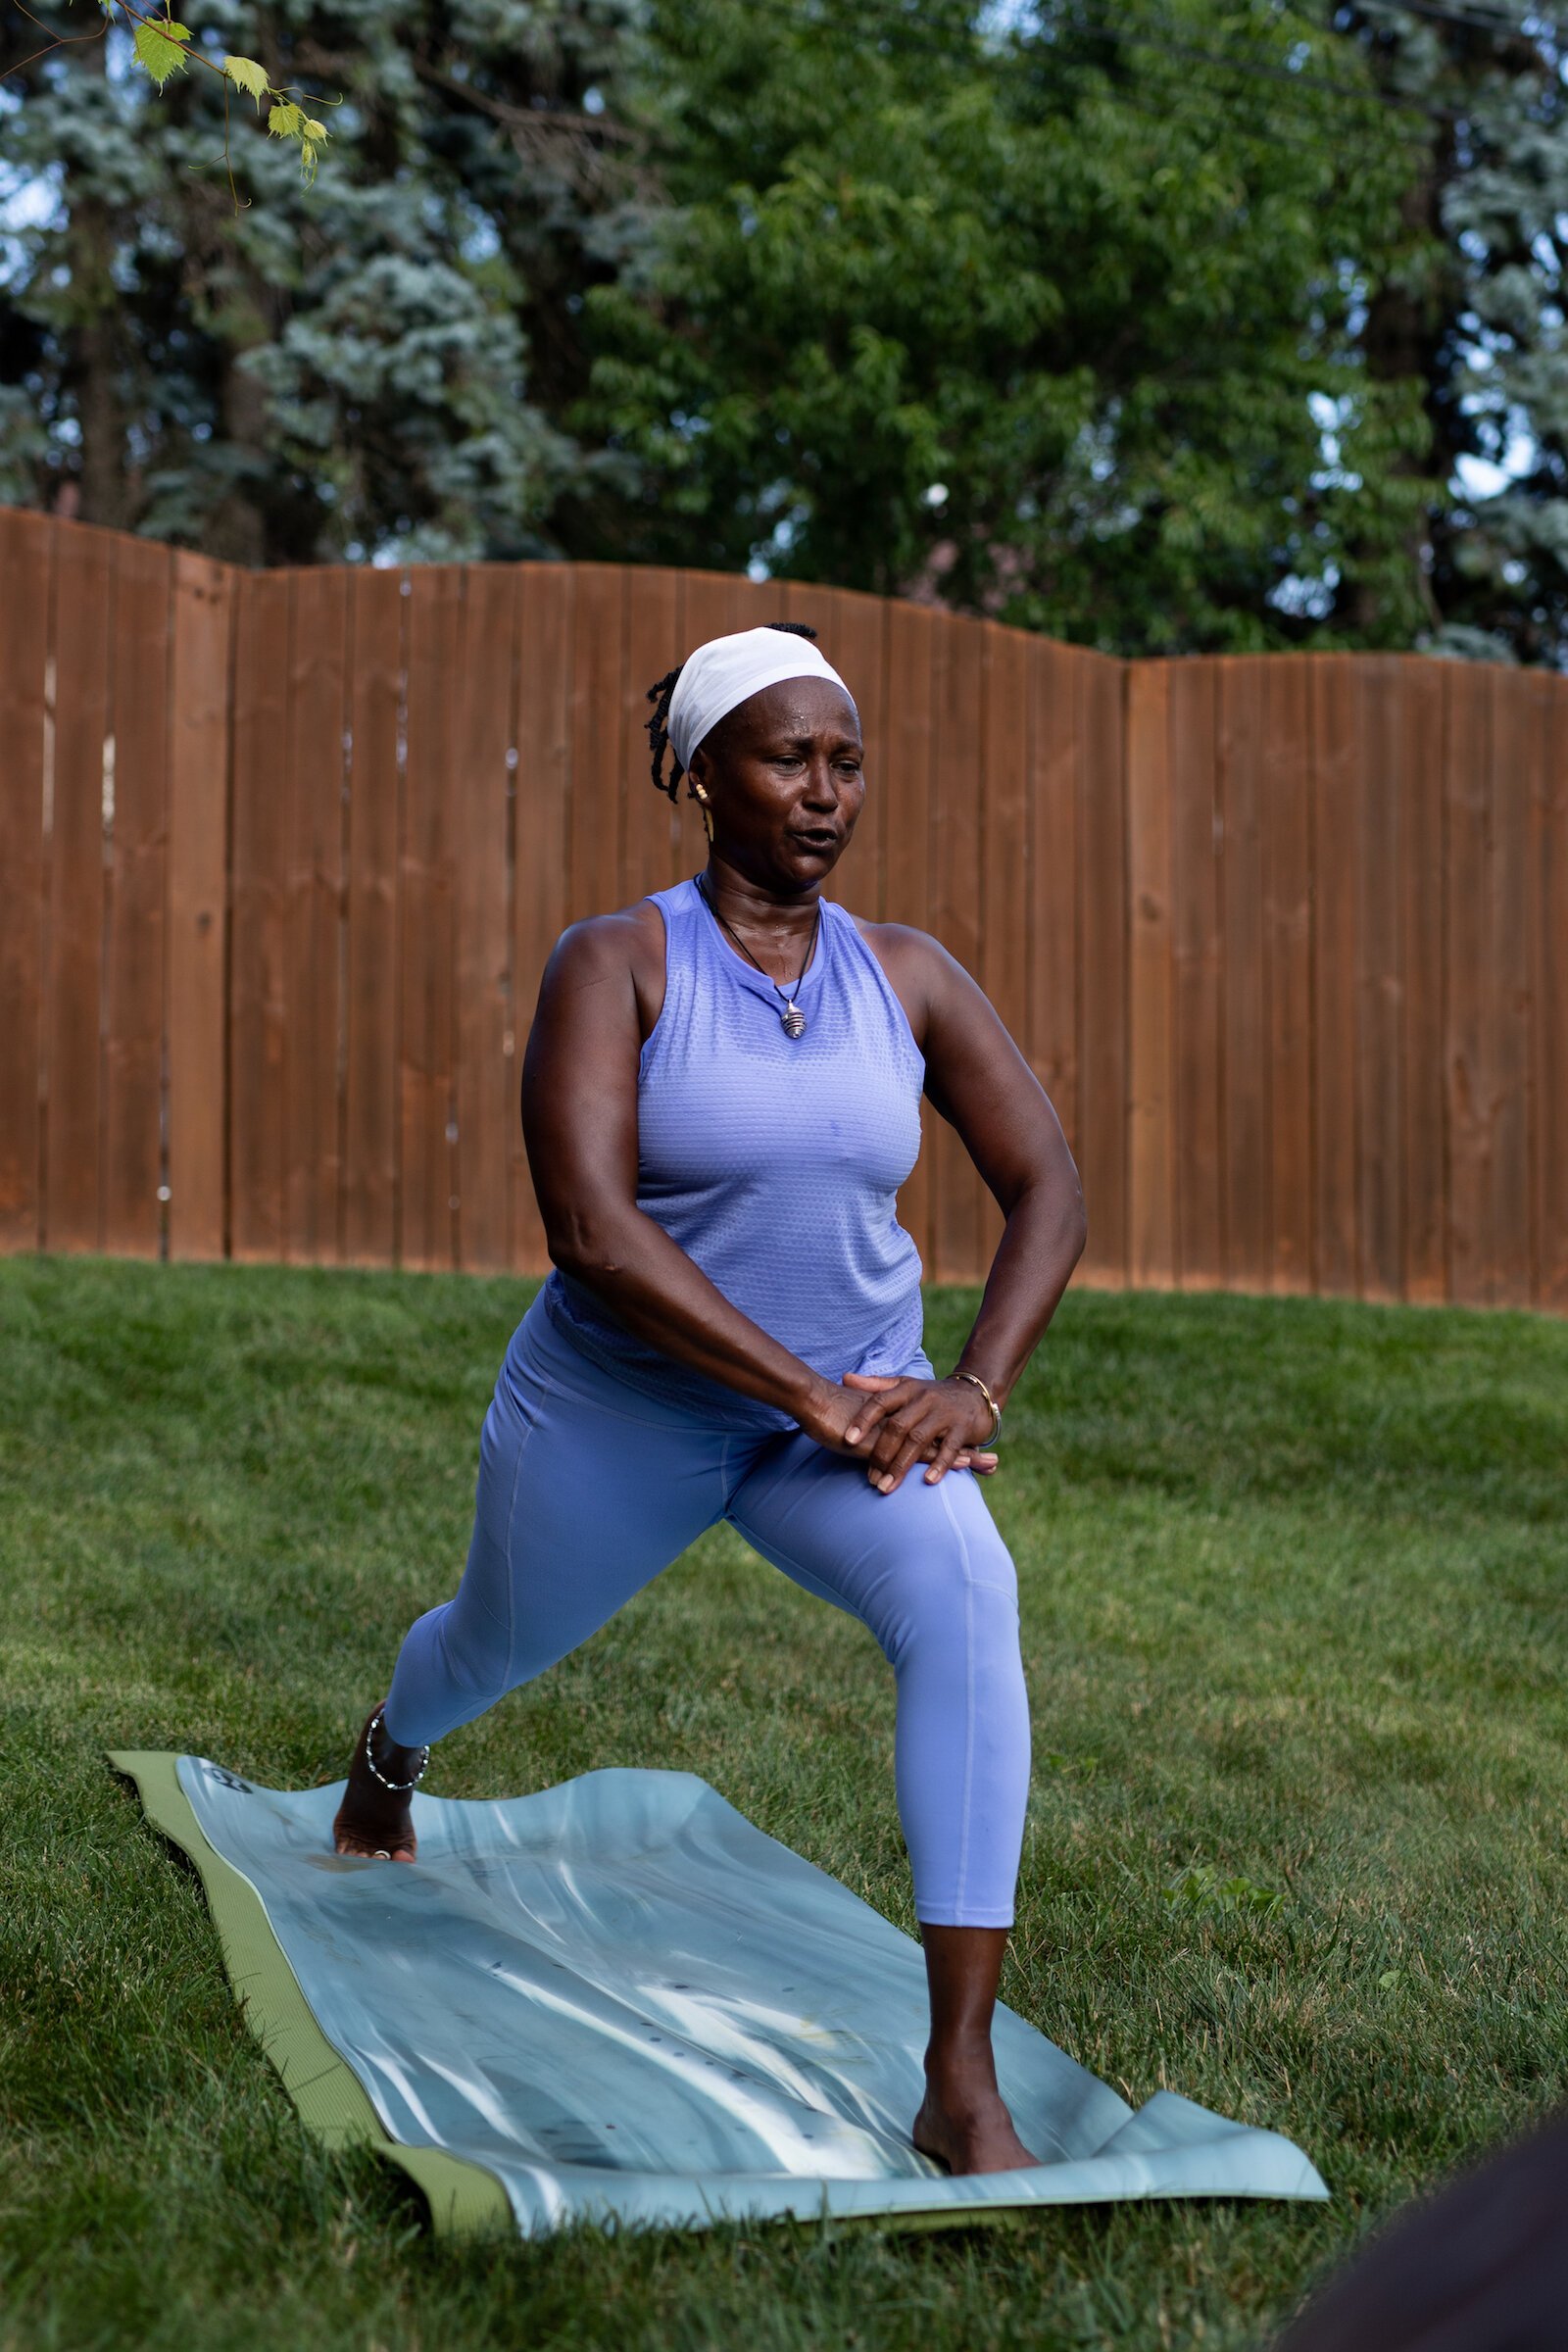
x=579, y=1123
x=980, y=1083
x=977, y=1079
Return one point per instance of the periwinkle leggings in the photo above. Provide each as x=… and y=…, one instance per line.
x=588, y=1487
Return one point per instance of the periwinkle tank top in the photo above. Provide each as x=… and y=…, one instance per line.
x=773, y=1163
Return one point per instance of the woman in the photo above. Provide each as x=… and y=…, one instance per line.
x=720, y=1099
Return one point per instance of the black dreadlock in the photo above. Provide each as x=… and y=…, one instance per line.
x=658, y=725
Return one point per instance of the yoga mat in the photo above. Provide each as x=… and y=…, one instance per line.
x=619, y=2001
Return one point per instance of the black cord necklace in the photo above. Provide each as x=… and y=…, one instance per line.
x=792, y=1019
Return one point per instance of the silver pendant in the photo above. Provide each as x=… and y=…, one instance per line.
x=793, y=1021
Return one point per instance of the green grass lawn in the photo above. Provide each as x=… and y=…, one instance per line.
x=1293, y=1579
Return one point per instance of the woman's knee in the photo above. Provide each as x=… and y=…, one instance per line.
x=956, y=1590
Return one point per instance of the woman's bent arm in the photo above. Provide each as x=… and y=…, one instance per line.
x=579, y=1123
x=980, y=1083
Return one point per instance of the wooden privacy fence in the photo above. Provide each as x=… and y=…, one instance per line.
x=281, y=855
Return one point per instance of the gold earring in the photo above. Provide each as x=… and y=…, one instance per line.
x=700, y=798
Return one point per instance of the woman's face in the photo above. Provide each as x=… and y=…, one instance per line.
x=784, y=782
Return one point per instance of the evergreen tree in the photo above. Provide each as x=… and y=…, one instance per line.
x=375, y=364
x=1474, y=308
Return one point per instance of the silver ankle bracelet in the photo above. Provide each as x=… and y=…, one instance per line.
x=398, y=1787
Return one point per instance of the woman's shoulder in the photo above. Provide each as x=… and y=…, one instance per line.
x=606, y=960
x=925, y=976
x=892, y=936
x=910, y=963
x=899, y=947
x=595, y=943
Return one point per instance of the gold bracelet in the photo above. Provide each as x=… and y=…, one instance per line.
x=975, y=1381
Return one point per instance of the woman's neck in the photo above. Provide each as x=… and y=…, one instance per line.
x=751, y=906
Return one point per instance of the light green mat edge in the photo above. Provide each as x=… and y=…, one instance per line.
x=465, y=2200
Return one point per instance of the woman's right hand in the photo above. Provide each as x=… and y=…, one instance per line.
x=832, y=1410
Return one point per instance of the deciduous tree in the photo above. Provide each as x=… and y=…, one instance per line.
x=1056, y=318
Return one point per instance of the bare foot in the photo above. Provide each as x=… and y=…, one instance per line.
x=373, y=1820
x=964, y=2124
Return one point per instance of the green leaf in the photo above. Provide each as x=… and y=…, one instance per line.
x=158, y=49
x=1201, y=1888
x=285, y=121
x=246, y=74
x=313, y=130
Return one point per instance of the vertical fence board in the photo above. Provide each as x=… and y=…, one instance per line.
x=427, y=1178
x=74, y=1107
x=851, y=633
x=260, y=850
x=713, y=605
x=1151, y=1218
x=368, y=1197
x=651, y=833
x=547, y=639
x=957, y=817
x=1467, y=824
x=907, y=773
x=310, y=778
x=1004, y=867
x=1549, y=999
x=1102, y=1001
x=487, y=732
x=1004, y=944
x=1425, y=1205
x=710, y=606
x=1334, y=712
x=136, y=932
x=599, y=781
x=1245, y=1158
x=859, y=640
x=1048, y=1035
x=27, y=558
x=198, y=1012
x=1507, y=1011
x=759, y=601
x=1377, y=854
x=1196, y=945
x=1286, y=819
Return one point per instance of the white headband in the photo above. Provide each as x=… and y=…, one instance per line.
x=726, y=670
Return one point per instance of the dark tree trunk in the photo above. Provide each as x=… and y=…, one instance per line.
x=106, y=488
x=1401, y=341
x=92, y=369
x=235, y=528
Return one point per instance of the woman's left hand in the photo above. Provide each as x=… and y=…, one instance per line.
x=943, y=1423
